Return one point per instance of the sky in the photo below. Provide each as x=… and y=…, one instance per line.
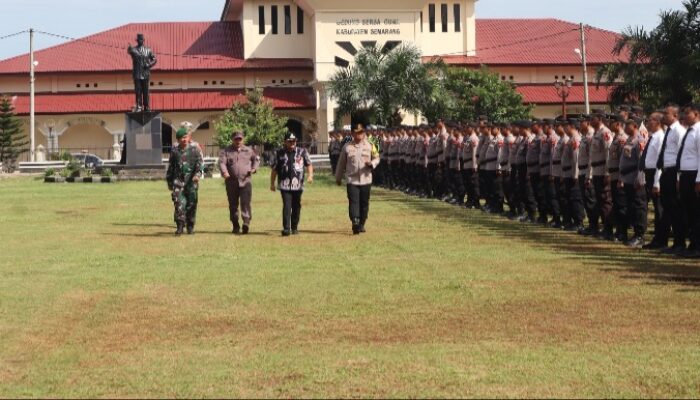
x=78, y=18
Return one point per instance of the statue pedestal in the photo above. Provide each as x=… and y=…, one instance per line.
x=144, y=139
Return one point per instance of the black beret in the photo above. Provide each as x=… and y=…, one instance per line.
x=624, y=108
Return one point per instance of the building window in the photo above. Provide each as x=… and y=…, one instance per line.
x=77, y=85
x=511, y=77
x=290, y=81
x=431, y=17
x=421, y=21
x=222, y=82
x=300, y=20
x=273, y=15
x=443, y=16
x=160, y=83
x=287, y=20
x=458, y=18
x=206, y=83
x=261, y=20
x=274, y=81
x=213, y=82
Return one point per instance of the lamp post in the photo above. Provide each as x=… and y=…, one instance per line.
x=563, y=90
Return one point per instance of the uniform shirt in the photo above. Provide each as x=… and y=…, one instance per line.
x=290, y=167
x=455, y=145
x=567, y=161
x=599, y=152
x=352, y=163
x=533, y=154
x=442, y=143
x=433, y=149
x=513, y=144
x=504, y=154
x=675, y=134
x=546, y=148
x=239, y=163
x=615, y=152
x=690, y=158
x=423, y=151
x=521, y=151
x=630, y=159
x=557, y=154
x=584, y=155
x=470, y=158
x=652, y=156
x=184, y=165
x=575, y=144
x=493, y=148
x=334, y=147
x=394, y=149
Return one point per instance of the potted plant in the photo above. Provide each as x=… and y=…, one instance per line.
x=51, y=176
x=87, y=176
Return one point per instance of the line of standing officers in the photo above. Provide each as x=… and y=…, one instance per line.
x=592, y=174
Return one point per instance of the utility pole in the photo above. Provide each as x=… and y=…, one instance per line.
x=585, y=69
x=32, y=143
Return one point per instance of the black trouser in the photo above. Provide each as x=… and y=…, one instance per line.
x=690, y=202
x=545, y=188
x=457, y=185
x=573, y=193
x=553, y=196
x=141, y=87
x=566, y=214
x=495, y=200
x=291, y=209
x=636, y=209
x=395, y=174
x=602, y=209
x=538, y=194
x=470, y=178
x=432, y=179
x=516, y=205
x=485, y=186
x=528, y=192
x=672, y=215
x=619, y=207
x=505, y=183
x=334, y=162
x=656, y=202
x=358, y=196
x=588, y=196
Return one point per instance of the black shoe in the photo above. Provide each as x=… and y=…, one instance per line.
x=295, y=231
x=654, y=246
x=555, y=225
x=246, y=229
x=355, y=230
x=573, y=228
x=621, y=238
x=180, y=229
x=286, y=233
x=673, y=251
x=190, y=229
x=236, y=229
x=590, y=231
x=690, y=254
x=636, y=242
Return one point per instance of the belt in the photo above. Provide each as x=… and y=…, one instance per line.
x=612, y=170
x=537, y=164
x=597, y=164
x=628, y=170
x=583, y=166
x=488, y=160
x=556, y=162
x=566, y=169
x=544, y=165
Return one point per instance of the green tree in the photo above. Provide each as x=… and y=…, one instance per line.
x=13, y=142
x=384, y=83
x=256, y=118
x=477, y=92
x=658, y=66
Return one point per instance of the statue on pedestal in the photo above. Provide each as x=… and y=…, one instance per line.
x=144, y=60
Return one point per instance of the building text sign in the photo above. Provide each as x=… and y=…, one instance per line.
x=368, y=26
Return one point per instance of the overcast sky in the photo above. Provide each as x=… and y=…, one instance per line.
x=77, y=18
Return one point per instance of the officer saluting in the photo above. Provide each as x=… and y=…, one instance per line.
x=357, y=160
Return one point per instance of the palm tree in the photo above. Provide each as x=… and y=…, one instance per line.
x=662, y=65
x=384, y=83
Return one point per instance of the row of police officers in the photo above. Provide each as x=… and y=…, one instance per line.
x=593, y=174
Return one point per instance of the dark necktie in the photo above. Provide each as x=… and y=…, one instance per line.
x=643, y=159
x=660, y=163
x=680, y=151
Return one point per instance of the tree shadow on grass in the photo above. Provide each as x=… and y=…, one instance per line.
x=634, y=264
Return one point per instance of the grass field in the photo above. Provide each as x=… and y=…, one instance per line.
x=99, y=299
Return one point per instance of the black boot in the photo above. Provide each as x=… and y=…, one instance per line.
x=362, y=226
x=180, y=229
x=355, y=226
x=236, y=228
x=190, y=229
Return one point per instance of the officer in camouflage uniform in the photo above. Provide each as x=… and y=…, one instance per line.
x=184, y=173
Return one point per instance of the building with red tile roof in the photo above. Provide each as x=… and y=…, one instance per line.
x=290, y=48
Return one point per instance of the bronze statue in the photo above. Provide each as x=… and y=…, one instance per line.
x=144, y=60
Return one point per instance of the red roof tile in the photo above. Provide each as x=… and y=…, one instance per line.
x=547, y=94
x=179, y=46
x=97, y=103
x=536, y=42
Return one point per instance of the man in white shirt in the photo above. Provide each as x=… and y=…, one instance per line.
x=647, y=165
x=688, y=163
x=665, y=187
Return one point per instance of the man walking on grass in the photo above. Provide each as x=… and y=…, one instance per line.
x=357, y=160
x=288, y=173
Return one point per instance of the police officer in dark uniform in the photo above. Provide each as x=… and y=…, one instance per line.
x=288, y=172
